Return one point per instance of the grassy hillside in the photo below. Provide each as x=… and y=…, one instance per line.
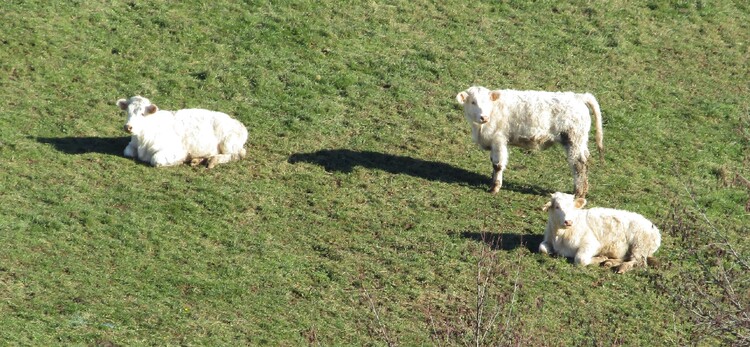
x=361, y=216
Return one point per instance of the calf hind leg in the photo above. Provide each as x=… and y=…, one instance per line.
x=598, y=259
x=220, y=159
x=636, y=260
x=230, y=150
x=612, y=263
x=626, y=266
x=198, y=161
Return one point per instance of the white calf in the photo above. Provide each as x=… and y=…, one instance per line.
x=598, y=235
x=532, y=120
x=166, y=138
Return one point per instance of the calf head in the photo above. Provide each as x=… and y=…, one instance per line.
x=563, y=208
x=478, y=103
x=138, y=108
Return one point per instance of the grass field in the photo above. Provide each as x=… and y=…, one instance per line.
x=361, y=216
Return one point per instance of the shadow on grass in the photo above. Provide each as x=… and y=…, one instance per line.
x=506, y=241
x=82, y=145
x=344, y=160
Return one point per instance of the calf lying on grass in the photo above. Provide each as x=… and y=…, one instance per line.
x=598, y=235
x=166, y=138
x=532, y=120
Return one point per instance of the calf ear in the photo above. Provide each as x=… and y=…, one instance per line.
x=547, y=206
x=461, y=97
x=151, y=109
x=494, y=95
x=122, y=104
x=580, y=202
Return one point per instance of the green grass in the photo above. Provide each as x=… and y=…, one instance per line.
x=361, y=215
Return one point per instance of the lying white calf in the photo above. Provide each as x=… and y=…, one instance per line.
x=532, y=120
x=166, y=138
x=598, y=235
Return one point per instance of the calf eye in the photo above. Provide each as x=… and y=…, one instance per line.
x=473, y=102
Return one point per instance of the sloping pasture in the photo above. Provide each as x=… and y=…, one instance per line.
x=361, y=215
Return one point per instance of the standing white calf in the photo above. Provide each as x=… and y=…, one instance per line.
x=598, y=235
x=532, y=120
x=166, y=138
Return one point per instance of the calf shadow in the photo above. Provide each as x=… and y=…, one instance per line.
x=344, y=160
x=506, y=241
x=81, y=145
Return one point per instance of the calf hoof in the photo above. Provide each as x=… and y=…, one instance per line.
x=599, y=259
x=197, y=161
x=494, y=189
x=212, y=162
x=611, y=263
x=625, y=267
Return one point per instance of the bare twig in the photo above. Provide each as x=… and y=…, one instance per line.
x=432, y=326
x=715, y=298
x=374, y=310
x=513, y=296
x=716, y=232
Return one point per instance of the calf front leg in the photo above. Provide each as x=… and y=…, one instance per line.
x=131, y=151
x=497, y=178
x=167, y=158
x=499, y=158
x=587, y=254
x=546, y=246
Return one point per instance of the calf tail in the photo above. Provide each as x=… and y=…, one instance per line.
x=593, y=105
x=653, y=262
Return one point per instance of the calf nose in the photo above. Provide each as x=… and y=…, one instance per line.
x=128, y=128
x=568, y=223
x=483, y=119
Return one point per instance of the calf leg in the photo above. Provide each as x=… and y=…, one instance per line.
x=578, y=161
x=168, y=158
x=612, y=262
x=131, y=151
x=239, y=155
x=598, y=259
x=546, y=246
x=497, y=178
x=499, y=158
x=588, y=253
x=581, y=178
x=626, y=266
x=221, y=159
x=197, y=161
x=637, y=259
x=585, y=256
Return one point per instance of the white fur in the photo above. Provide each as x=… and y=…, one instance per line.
x=597, y=235
x=532, y=120
x=166, y=138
